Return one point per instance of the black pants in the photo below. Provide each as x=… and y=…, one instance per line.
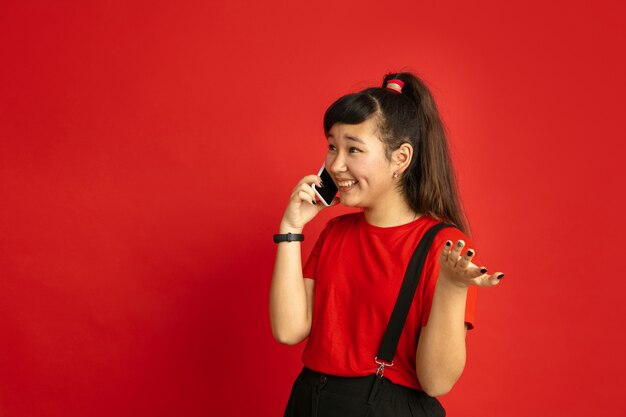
x=319, y=395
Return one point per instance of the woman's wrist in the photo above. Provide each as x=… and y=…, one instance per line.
x=284, y=228
x=451, y=284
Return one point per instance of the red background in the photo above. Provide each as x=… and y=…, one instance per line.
x=147, y=150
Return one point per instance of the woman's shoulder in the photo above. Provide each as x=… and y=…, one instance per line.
x=345, y=219
x=341, y=224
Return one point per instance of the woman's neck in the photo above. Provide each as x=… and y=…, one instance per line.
x=395, y=212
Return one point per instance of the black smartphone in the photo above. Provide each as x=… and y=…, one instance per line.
x=328, y=190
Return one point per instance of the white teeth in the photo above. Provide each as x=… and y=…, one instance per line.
x=346, y=183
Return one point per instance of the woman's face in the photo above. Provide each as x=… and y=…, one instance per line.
x=357, y=162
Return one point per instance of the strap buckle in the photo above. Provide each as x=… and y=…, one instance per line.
x=381, y=368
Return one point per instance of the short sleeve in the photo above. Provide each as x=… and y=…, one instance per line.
x=310, y=267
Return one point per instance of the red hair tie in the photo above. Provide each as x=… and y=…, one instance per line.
x=395, y=85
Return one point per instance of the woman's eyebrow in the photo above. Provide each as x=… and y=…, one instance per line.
x=356, y=139
x=352, y=138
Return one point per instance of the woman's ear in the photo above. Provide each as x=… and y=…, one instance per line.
x=402, y=157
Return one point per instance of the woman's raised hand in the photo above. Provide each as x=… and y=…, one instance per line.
x=302, y=207
x=456, y=265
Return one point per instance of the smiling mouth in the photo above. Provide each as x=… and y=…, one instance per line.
x=345, y=184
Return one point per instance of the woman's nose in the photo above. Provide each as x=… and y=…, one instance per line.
x=335, y=163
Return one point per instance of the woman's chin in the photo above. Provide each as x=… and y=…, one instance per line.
x=348, y=202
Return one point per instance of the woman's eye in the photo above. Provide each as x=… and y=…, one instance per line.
x=354, y=150
x=331, y=147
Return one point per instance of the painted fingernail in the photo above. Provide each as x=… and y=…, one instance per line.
x=448, y=243
x=459, y=244
x=483, y=270
x=313, y=202
x=470, y=253
x=500, y=276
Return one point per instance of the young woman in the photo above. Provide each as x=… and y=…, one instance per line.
x=388, y=156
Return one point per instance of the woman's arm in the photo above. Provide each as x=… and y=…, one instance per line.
x=291, y=295
x=440, y=356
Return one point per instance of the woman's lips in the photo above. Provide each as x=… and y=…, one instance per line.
x=345, y=185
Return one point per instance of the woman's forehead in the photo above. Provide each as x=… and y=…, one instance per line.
x=362, y=132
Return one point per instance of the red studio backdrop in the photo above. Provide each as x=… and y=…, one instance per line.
x=147, y=150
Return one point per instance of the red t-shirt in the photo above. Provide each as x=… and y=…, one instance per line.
x=358, y=270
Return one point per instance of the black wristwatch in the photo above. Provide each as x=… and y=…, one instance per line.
x=288, y=237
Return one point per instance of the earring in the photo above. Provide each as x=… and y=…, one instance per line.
x=395, y=175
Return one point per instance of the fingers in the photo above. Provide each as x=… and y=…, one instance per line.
x=455, y=254
x=304, y=195
x=465, y=262
x=445, y=252
x=311, y=179
x=461, y=259
x=450, y=253
x=302, y=206
x=488, y=280
x=457, y=262
x=494, y=279
x=466, y=258
x=304, y=190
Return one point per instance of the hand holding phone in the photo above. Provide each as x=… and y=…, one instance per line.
x=328, y=190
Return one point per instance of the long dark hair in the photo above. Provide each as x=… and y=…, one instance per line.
x=429, y=184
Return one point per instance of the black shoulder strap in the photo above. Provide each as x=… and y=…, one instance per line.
x=390, y=340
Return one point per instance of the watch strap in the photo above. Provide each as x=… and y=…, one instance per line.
x=288, y=237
